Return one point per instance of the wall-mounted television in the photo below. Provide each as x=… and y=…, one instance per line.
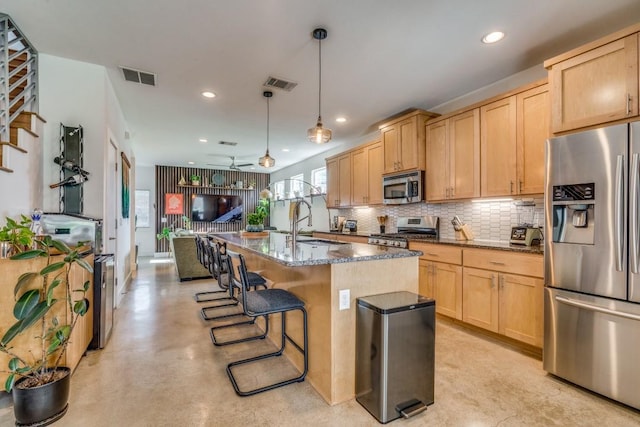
x=216, y=208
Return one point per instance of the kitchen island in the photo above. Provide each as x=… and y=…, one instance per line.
x=316, y=270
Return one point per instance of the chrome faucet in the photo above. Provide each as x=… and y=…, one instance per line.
x=295, y=219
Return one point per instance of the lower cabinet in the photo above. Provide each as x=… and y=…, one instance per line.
x=442, y=282
x=503, y=302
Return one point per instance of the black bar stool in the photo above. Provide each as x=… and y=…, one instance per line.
x=206, y=257
x=264, y=302
x=219, y=265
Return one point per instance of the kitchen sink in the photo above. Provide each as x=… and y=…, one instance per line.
x=320, y=242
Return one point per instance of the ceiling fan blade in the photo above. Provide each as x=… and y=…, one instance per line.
x=244, y=164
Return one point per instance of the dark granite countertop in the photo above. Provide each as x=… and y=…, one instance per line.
x=487, y=244
x=306, y=252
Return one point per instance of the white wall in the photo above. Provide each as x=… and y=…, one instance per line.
x=145, y=238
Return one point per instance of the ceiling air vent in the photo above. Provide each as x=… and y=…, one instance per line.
x=138, y=76
x=280, y=84
x=228, y=143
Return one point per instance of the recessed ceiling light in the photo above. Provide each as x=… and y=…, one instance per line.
x=341, y=119
x=203, y=140
x=493, y=37
x=191, y=163
x=286, y=150
x=208, y=94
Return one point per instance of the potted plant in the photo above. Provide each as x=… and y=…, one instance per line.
x=15, y=236
x=195, y=179
x=38, y=381
x=255, y=220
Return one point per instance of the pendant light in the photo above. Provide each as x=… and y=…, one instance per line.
x=267, y=161
x=319, y=134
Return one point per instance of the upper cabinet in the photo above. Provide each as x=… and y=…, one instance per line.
x=596, y=83
x=453, y=157
x=532, y=127
x=366, y=174
x=354, y=178
x=498, y=148
x=403, y=142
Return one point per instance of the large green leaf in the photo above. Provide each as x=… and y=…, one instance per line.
x=8, y=384
x=86, y=285
x=61, y=246
x=14, y=364
x=52, y=286
x=36, y=314
x=23, y=280
x=12, y=332
x=34, y=253
x=52, y=267
x=53, y=345
x=81, y=307
x=26, y=304
x=84, y=264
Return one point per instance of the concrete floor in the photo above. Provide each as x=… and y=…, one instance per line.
x=160, y=369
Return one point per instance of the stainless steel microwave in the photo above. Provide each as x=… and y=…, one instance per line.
x=402, y=188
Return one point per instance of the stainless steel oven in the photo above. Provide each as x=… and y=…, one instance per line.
x=402, y=188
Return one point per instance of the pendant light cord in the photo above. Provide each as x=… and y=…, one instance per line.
x=267, y=125
x=319, y=77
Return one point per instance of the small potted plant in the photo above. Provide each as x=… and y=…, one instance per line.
x=195, y=179
x=38, y=381
x=255, y=220
x=15, y=236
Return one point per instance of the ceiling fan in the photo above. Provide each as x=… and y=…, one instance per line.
x=233, y=165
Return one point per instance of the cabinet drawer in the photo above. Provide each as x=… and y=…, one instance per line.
x=508, y=262
x=439, y=253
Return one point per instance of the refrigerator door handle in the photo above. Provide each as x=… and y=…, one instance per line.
x=635, y=186
x=619, y=212
x=597, y=308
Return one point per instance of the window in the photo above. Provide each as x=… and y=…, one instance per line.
x=278, y=190
x=296, y=186
x=319, y=179
x=143, y=208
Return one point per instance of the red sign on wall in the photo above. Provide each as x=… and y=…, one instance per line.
x=173, y=204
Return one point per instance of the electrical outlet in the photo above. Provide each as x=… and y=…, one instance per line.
x=344, y=299
x=163, y=219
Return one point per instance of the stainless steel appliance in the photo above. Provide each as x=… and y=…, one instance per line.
x=350, y=225
x=395, y=343
x=592, y=259
x=402, y=188
x=416, y=228
x=72, y=229
x=103, y=283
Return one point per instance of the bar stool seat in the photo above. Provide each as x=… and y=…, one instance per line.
x=267, y=301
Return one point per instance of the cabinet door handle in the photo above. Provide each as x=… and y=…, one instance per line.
x=493, y=281
x=446, y=193
x=628, y=103
x=434, y=255
x=501, y=281
x=452, y=192
x=520, y=187
x=510, y=187
x=496, y=263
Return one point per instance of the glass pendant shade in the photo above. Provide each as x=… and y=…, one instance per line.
x=319, y=134
x=267, y=161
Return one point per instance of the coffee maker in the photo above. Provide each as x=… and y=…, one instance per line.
x=338, y=223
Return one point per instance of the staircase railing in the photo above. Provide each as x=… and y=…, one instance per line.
x=18, y=75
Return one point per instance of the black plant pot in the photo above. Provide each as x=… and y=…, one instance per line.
x=43, y=405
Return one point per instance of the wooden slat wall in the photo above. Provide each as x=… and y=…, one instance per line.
x=167, y=178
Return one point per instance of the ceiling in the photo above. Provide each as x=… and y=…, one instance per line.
x=381, y=57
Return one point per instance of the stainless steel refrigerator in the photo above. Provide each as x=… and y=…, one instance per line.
x=592, y=261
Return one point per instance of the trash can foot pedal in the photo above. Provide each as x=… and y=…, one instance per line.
x=410, y=408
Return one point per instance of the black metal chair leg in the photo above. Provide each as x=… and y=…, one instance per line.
x=261, y=336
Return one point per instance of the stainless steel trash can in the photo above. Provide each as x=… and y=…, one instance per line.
x=395, y=348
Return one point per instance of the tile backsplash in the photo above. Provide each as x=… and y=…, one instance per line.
x=489, y=220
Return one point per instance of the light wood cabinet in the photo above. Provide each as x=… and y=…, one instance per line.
x=403, y=142
x=366, y=175
x=498, y=148
x=441, y=281
x=83, y=332
x=533, y=129
x=339, y=181
x=453, y=157
x=596, y=83
x=497, y=300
